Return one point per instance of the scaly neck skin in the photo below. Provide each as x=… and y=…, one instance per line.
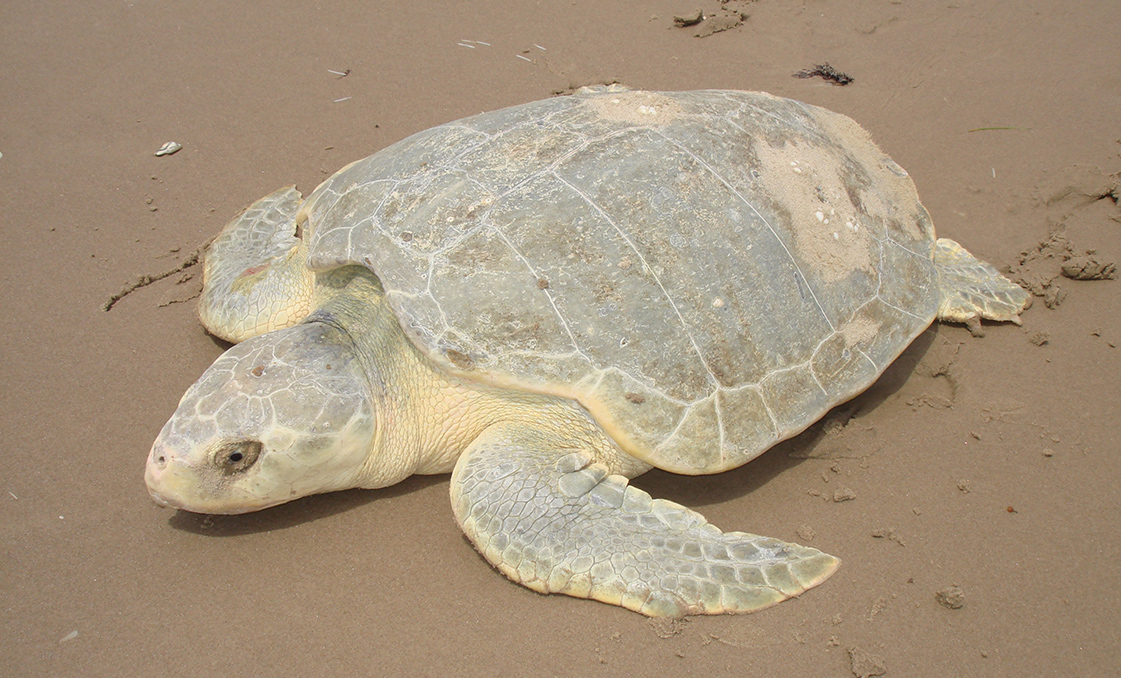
x=425, y=417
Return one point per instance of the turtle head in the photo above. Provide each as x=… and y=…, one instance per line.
x=277, y=417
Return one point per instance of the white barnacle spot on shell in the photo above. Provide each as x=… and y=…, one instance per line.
x=718, y=303
x=648, y=110
x=820, y=216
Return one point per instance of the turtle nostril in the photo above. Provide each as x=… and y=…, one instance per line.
x=158, y=459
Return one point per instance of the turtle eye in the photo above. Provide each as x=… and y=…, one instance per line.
x=237, y=456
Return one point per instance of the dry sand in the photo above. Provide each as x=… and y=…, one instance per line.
x=987, y=464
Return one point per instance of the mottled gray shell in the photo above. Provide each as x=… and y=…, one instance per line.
x=706, y=272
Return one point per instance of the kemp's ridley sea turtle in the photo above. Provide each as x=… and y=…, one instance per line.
x=550, y=299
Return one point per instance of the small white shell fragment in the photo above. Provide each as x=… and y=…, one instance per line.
x=169, y=148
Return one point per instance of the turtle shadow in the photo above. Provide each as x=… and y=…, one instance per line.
x=294, y=513
x=219, y=342
x=788, y=454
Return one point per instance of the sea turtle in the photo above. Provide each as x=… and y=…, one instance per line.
x=550, y=299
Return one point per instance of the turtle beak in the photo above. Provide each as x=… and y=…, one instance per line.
x=165, y=478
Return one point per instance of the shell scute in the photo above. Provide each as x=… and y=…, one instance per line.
x=706, y=272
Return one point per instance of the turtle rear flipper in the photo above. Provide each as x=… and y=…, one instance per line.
x=255, y=278
x=553, y=520
x=971, y=289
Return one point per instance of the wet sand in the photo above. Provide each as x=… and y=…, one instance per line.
x=986, y=464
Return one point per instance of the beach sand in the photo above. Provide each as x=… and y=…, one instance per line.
x=981, y=471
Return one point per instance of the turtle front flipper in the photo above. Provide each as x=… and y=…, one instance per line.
x=970, y=289
x=255, y=278
x=549, y=517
